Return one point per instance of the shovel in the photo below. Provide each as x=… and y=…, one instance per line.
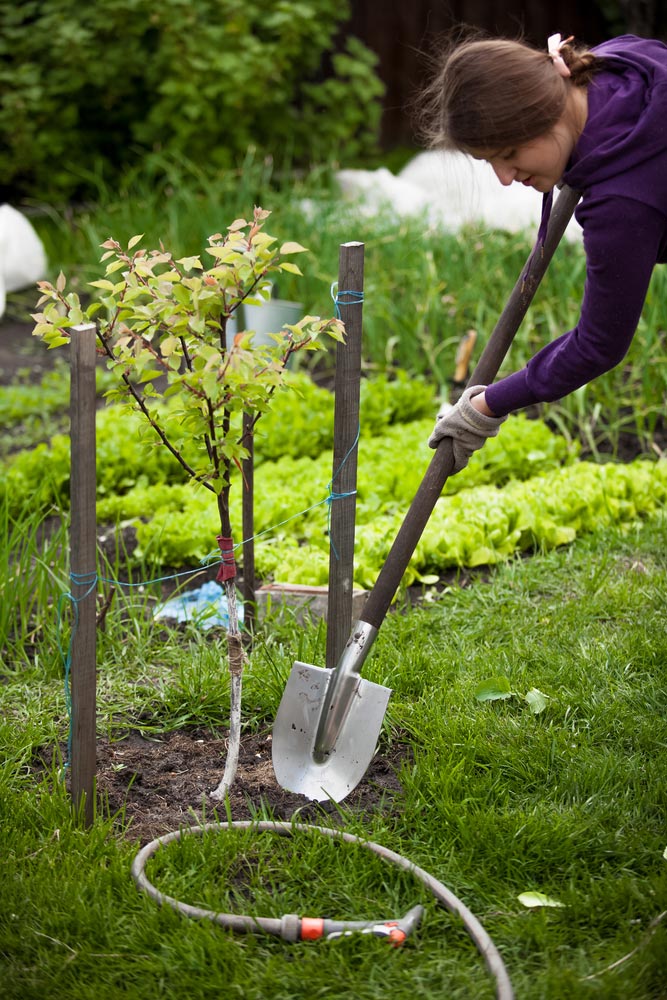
x=328, y=721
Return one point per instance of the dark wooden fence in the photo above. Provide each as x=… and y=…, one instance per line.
x=403, y=32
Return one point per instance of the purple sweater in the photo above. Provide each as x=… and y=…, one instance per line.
x=620, y=165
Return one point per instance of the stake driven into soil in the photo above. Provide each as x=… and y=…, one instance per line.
x=248, y=521
x=346, y=431
x=83, y=568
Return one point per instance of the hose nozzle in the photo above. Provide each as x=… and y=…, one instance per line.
x=395, y=931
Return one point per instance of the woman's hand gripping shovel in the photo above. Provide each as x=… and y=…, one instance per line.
x=328, y=721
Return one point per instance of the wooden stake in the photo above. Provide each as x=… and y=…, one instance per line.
x=248, y=519
x=83, y=568
x=346, y=430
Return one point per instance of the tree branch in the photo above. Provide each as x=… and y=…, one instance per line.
x=139, y=400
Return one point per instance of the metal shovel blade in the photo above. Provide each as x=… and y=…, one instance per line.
x=333, y=775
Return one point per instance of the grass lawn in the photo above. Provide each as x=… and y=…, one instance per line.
x=495, y=801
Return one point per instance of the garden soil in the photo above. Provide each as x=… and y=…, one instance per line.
x=163, y=783
x=154, y=783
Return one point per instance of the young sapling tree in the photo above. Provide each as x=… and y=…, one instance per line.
x=162, y=324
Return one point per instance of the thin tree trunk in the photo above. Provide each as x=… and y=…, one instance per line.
x=227, y=576
x=235, y=653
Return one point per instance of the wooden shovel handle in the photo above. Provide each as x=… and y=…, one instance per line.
x=442, y=463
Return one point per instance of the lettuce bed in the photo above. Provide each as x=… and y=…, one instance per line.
x=524, y=490
x=510, y=499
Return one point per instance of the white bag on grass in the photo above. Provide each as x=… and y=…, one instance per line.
x=22, y=257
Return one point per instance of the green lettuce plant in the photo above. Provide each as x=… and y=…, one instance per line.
x=162, y=325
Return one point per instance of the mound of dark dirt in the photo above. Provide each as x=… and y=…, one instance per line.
x=163, y=783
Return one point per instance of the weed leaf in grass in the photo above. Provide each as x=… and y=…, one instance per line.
x=535, y=899
x=499, y=689
x=494, y=689
x=536, y=700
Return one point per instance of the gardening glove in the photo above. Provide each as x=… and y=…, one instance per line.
x=466, y=426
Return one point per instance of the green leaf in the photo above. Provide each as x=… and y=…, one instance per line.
x=116, y=265
x=55, y=341
x=169, y=345
x=103, y=283
x=535, y=899
x=148, y=376
x=190, y=263
x=292, y=247
x=287, y=265
x=537, y=701
x=223, y=254
x=494, y=689
x=133, y=242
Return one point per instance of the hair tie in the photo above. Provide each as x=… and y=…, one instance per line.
x=554, y=45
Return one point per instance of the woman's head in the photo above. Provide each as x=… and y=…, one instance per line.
x=494, y=93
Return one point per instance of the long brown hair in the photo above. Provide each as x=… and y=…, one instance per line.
x=492, y=93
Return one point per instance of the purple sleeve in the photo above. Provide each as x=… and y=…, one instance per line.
x=623, y=240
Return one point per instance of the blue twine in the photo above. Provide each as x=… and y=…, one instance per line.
x=353, y=298
x=158, y=579
x=92, y=579
x=214, y=557
x=339, y=496
x=81, y=579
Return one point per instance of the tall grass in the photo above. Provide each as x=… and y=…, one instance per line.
x=31, y=578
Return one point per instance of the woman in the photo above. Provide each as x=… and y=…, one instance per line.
x=595, y=120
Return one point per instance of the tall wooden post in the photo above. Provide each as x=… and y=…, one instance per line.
x=346, y=429
x=83, y=569
x=248, y=519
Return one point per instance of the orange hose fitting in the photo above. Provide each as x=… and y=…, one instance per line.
x=312, y=928
x=397, y=936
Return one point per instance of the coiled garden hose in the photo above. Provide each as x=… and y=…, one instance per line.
x=291, y=927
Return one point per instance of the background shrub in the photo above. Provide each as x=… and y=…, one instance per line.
x=88, y=89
